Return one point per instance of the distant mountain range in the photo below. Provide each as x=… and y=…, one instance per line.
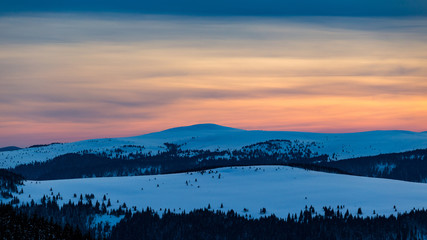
x=387, y=154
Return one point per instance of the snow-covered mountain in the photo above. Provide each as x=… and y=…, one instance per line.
x=281, y=190
x=214, y=137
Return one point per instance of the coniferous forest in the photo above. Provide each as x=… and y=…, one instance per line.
x=47, y=221
x=19, y=225
x=407, y=166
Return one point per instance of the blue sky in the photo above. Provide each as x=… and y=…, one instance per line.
x=226, y=7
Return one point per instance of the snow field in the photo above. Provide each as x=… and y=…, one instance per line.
x=281, y=190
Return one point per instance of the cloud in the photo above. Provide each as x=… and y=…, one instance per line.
x=226, y=7
x=81, y=75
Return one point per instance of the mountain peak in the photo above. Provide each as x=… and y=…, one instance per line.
x=202, y=127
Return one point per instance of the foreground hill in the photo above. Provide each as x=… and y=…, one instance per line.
x=246, y=190
x=213, y=137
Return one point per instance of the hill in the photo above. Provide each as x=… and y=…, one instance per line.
x=209, y=137
x=246, y=190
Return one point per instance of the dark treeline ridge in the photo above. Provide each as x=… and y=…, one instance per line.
x=18, y=225
x=43, y=145
x=408, y=166
x=306, y=166
x=205, y=224
x=75, y=165
x=173, y=160
x=9, y=148
x=80, y=215
x=9, y=183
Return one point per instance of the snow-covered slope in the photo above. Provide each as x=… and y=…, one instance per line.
x=281, y=190
x=213, y=137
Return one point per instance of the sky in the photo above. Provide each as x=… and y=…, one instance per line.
x=69, y=72
x=225, y=7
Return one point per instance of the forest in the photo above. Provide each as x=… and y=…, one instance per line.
x=173, y=160
x=407, y=166
x=48, y=221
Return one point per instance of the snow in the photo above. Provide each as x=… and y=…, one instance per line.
x=215, y=137
x=281, y=190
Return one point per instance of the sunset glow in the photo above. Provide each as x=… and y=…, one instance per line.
x=76, y=77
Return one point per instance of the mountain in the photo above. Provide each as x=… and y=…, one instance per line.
x=199, y=139
x=10, y=148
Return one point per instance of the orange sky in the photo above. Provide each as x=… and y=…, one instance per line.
x=67, y=78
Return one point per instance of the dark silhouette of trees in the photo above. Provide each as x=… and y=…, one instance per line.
x=205, y=224
x=16, y=225
x=408, y=166
x=9, y=183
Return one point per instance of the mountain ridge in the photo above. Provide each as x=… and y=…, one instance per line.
x=213, y=137
x=9, y=148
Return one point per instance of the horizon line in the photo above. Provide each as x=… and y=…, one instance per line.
x=217, y=126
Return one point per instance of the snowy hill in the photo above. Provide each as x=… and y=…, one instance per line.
x=281, y=190
x=214, y=137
